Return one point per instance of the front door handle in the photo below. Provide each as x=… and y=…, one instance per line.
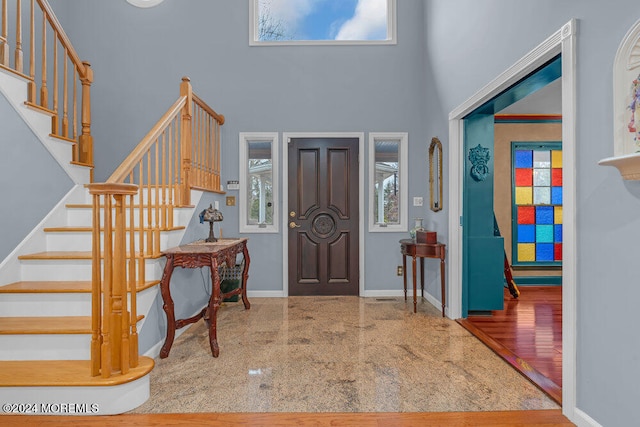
x=293, y=225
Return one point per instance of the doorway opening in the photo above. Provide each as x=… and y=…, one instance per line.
x=560, y=43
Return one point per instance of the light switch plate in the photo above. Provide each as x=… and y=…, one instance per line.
x=418, y=201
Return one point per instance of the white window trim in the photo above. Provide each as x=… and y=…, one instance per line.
x=392, y=32
x=244, y=138
x=403, y=156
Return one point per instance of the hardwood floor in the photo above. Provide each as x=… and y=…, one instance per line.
x=449, y=419
x=527, y=334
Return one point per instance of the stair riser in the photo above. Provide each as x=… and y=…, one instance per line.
x=62, y=241
x=36, y=270
x=45, y=347
x=41, y=304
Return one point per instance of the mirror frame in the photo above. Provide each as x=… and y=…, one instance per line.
x=435, y=188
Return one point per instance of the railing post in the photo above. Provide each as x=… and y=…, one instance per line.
x=18, y=53
x=86, y=140
x=4, y=45
x=111, y=344
x=185, y=143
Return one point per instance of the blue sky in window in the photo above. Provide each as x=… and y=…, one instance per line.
x=328, y=19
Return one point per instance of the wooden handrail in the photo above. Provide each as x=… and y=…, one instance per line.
x=57, y=71
x=180, y=152
x=125, y=168
x=219, y=117
x=62, y=36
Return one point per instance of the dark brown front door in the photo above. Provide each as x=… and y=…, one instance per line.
x=323, y=216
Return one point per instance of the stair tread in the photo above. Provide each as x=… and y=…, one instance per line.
x=90, y=206
x=58, y=255
x=67, y=255
x=69, y=373
x=45, y=325
x=74, y=229
x=48, y=286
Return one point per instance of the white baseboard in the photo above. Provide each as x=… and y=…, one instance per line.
x=581, y=419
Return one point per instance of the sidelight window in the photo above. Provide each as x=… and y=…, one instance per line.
x=388, y=181
x=258, y=200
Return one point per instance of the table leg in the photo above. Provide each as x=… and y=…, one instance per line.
x=415, y=292
x=245, y=275
x=442, y=290
x=404, y=274
x=422, y=277
x=214, y=305
x=168, y=307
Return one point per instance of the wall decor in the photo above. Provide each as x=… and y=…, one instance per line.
x=435, y=175
x=479, y=157
x=626, y=107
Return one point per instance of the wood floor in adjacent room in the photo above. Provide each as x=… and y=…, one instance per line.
x=527, y=334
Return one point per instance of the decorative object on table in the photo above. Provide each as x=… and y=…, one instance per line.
x=417, y=226
x=426, y=236
x=435, y=175
x=210, y=215
x=479, y=157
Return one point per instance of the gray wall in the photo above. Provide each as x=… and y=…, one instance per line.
x=447, y=51
x=139, y=56
x=468, y=44
x=31, y=181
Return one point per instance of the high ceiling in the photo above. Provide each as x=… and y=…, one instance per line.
x=547, y=100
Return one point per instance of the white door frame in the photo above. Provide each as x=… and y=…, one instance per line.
x=561, y=42
x=286, y=136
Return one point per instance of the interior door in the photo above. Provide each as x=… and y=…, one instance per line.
x=323, y=216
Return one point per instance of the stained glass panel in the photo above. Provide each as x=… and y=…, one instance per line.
x=537, y=203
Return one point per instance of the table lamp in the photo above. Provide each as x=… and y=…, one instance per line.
x=210, y=215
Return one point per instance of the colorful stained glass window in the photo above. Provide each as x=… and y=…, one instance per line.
x=537, y=203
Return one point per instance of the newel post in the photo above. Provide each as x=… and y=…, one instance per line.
x=86, y=140
x=185, y=143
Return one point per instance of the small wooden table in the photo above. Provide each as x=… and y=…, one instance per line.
x=196, y=255
x=409, y=247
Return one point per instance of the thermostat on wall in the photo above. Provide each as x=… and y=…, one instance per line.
x=233, y=185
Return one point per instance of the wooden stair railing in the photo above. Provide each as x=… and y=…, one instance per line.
x=181, y=152
x=58, y=84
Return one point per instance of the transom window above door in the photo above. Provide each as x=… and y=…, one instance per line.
x=309, y=22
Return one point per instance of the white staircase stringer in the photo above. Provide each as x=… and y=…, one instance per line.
x=67, y=400
x=35, y=241
x=14, y=89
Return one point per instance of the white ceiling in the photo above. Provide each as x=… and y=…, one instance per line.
x=547, y=100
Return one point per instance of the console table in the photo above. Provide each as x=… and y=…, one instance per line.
x=203, y=254
x=409, y=247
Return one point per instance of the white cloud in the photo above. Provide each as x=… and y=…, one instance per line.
x=369, y=22
x=289, y=12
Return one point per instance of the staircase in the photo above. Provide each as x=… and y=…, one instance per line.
x=45, y=295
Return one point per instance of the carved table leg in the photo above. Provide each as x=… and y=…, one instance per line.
x=214, y=305
x=245, y=275
x=415, y=292
x=442, y=283
x=168, y=307
x=404, y=274
x=422, y=277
